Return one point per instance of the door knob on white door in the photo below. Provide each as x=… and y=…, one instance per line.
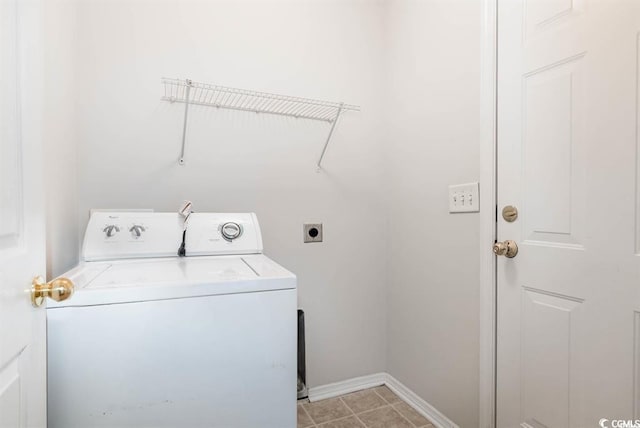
x=59, y=289
x=507, y=248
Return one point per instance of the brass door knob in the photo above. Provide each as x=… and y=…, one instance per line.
x=507, y=248
x=59, y=289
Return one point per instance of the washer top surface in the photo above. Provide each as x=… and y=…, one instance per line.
x=128, y=281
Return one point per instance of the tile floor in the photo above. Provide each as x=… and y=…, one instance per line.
x=372, y=408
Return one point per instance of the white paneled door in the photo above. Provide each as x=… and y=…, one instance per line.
x=568, y=326
x=22, y=245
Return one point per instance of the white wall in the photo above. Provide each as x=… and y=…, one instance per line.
x=433, y=141
x=129, y=142
x=59, y=136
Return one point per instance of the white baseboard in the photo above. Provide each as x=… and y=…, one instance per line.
x=331, y=390
x=359, y=383
x=421, y=406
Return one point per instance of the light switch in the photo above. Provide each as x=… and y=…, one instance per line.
x=464, y=198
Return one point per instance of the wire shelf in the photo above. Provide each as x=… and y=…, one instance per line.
x=204, y=94
x=175, y=90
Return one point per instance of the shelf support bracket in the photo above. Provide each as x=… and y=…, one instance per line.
x=186, y=117
x=326, y=143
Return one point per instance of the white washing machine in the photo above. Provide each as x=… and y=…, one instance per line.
x=150, y=339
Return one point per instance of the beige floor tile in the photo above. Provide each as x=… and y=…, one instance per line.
x=384, y=417
x=327, y=410
x=362, y=401
x=414, y=417
x=387, y=394
x=350, y=422
x=304, y=420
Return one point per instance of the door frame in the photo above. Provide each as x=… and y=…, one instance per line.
x=489, y=213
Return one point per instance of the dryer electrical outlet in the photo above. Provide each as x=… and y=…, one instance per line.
x=312, y=232
x=464, y=198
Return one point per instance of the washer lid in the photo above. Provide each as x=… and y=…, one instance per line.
x=99, y=283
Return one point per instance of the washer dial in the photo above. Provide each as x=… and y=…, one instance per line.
x=231, y=231
x=110, y=230
x=136, y=230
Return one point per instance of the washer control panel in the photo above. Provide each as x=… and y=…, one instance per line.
x=123, y=235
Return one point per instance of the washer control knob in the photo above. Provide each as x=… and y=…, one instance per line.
x=111, y=230
x=231, y=231
x=136, y=230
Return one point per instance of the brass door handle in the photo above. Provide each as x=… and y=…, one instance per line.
x=59, y=289
x=507, y=248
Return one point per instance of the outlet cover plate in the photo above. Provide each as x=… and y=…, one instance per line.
x=312, y=232
x=464, y=198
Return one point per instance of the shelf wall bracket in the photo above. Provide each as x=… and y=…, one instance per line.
x=187, y=89
x=326, y=143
